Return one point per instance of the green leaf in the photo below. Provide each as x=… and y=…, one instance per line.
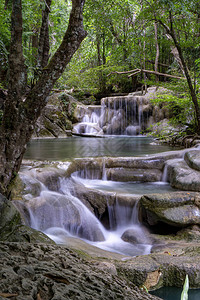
x=184, y=294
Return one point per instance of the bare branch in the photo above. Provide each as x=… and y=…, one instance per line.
x=158, y=73
x=124, y=72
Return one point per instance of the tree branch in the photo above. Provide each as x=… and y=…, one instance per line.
x=124, y=72
x=158, y=73
x=136, y=71
x=73, y=37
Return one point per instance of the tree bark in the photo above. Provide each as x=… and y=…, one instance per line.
x=20, y=115
x=43, y=48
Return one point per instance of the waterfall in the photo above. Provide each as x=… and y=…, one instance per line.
x=104, y=175
x=116, y=116
x=58, y=211
x=53, y=209
x=165, y=174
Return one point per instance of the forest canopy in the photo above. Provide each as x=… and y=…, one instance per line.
x=122, y=35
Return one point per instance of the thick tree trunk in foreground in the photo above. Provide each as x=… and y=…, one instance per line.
x=20, y=114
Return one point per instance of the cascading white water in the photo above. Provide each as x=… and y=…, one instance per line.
x=59, y=214
x=58, y=211
x=117, y=116
x=165, y=174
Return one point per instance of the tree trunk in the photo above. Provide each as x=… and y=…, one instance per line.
x=20, y=115
x=157, y=49
x=43, y=48
x=183, y=64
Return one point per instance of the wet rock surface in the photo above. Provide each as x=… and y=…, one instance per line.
x=127, y=174
x=47, y=272
x=182, y=177
x=193, y=159
x=12, y=227
x=177, y=209
x=34, y=271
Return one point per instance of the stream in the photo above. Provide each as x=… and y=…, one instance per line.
x=49, y=209
x=50, y=203
x=59, y=214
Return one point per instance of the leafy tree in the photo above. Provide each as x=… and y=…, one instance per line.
x=22, y=107
x=172, y=16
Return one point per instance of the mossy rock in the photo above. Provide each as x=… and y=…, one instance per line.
x=12, y=228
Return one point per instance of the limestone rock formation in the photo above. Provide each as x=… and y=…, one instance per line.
x=46, y=272
x=177, y=209
x=193, y=159
x=57, y=117
x=184, y=174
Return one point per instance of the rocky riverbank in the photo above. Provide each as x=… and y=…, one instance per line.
x=31, y=270
x=44, y=272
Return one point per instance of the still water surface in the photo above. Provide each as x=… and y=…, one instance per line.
x=77, y=147
x=174, y=293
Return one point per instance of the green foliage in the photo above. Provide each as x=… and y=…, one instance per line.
x=120, y=38
x=184, y=294
x=180, y=109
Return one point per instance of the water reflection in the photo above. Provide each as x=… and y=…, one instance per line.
x=76, y=147
x=174, y=293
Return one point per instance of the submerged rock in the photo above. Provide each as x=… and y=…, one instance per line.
x=137, y=235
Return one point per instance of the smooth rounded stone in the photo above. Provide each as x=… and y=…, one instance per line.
x=182, y=177
x=41, y=178
x=95, y=200
x=136, y=236
x=177, y=209
x=127, y=174
x=62, y=273
x=193, y=159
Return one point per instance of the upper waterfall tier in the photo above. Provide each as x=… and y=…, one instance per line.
x=121, y=115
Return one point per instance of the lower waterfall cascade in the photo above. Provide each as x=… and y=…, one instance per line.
x=59, y=214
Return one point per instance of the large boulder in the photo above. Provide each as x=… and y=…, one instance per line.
x=63, y=211
x=12, y=227
x=177, y=209
x=136, y=235
x=181, y=176
x=57, y=116
x=193, y=159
